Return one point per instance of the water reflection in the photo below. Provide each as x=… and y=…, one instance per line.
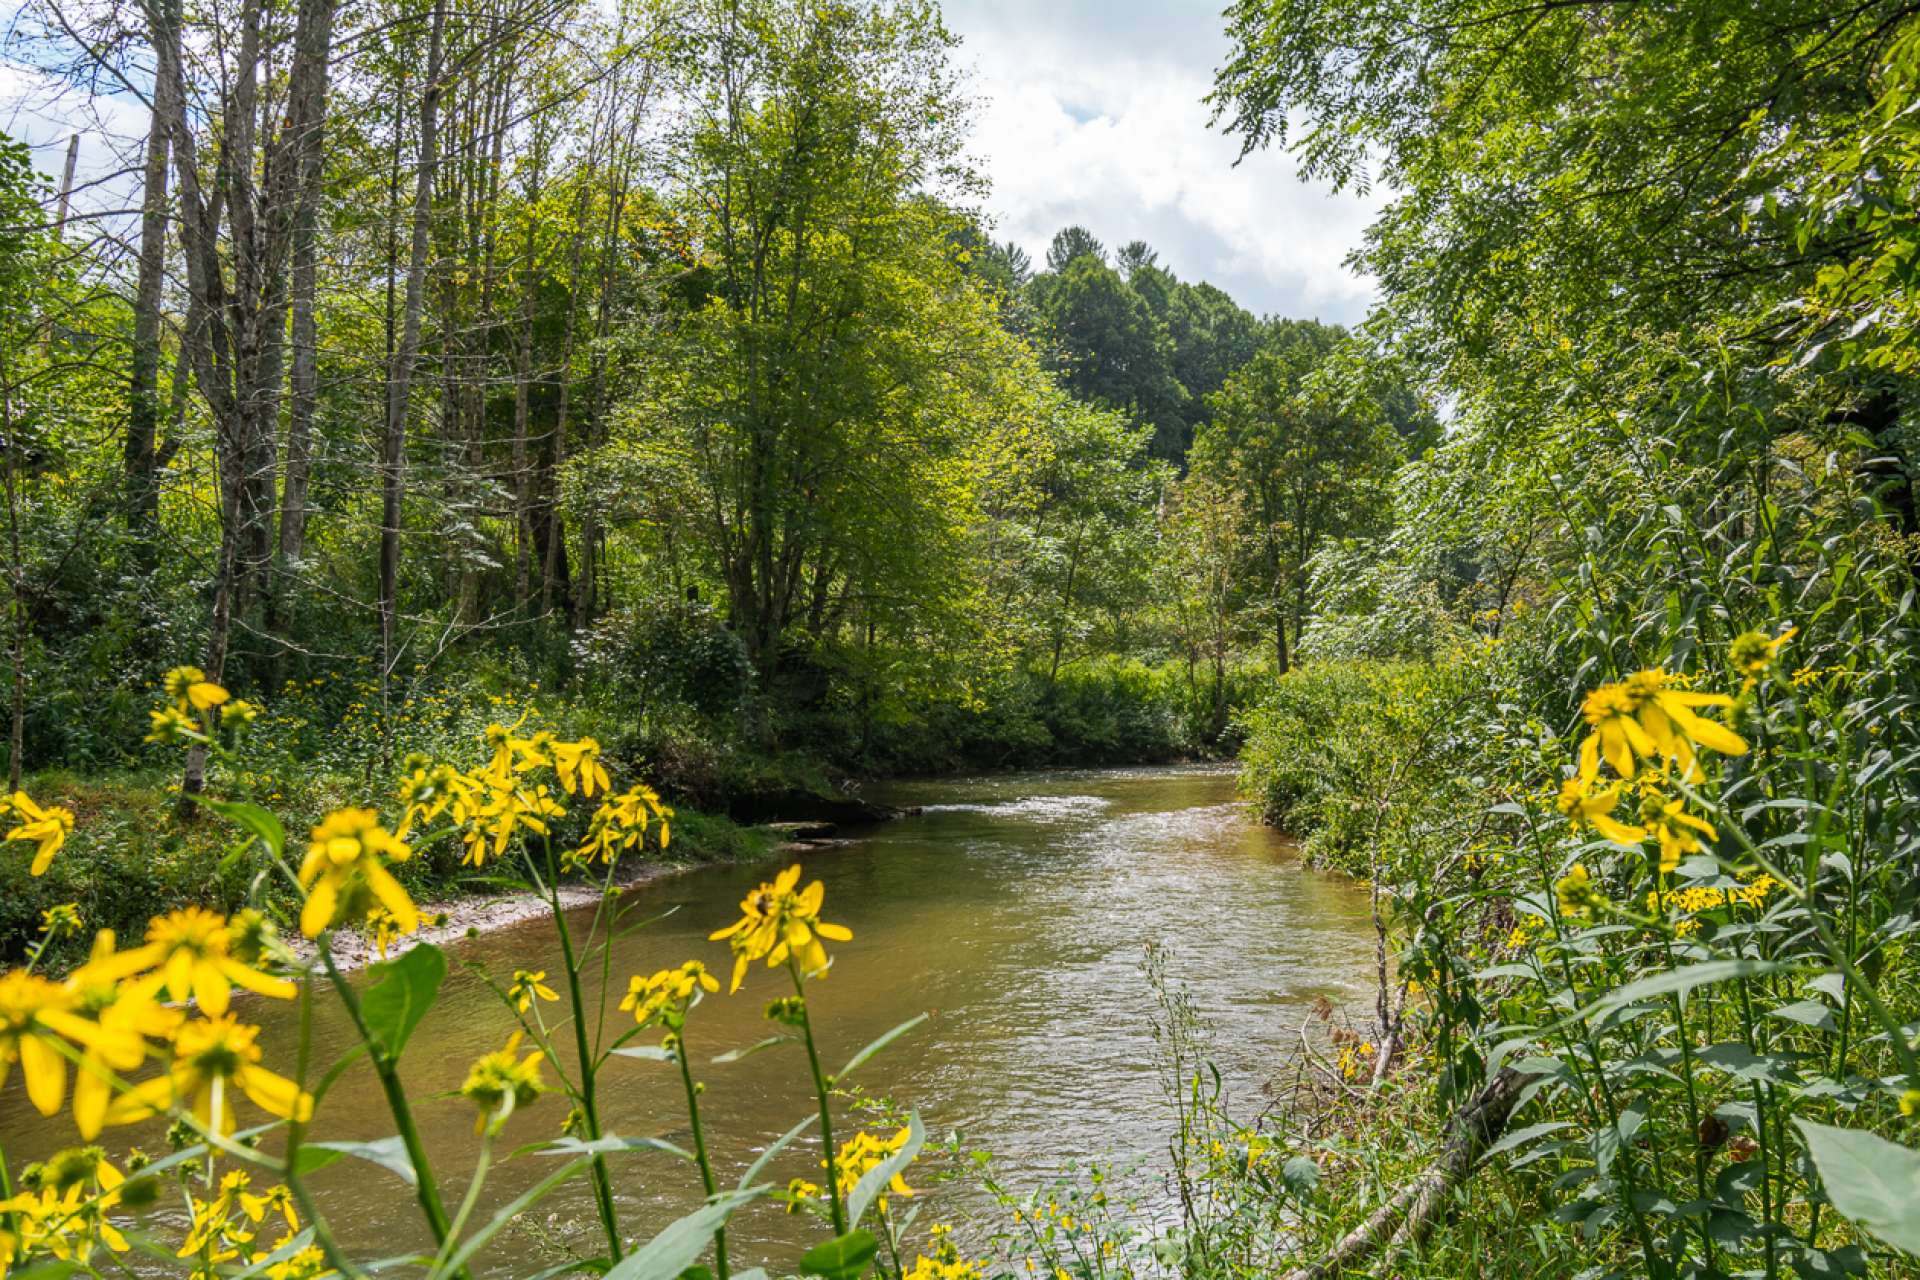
x=1015, y=908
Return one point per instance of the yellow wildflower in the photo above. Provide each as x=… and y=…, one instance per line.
x=1752, y=653
x=502, y=1082
x=1585, y=807
x=191, y=951
x=1678, y=831
x=34, y=1014
x=128, y=1014
x=47, y=828
x=668, y=994
x=799, y=1191
x=170, y=725
x=865, y=1151
x=1648, y=716
x=345, y=873
x=1576, y=894
x=578, y=764
x=212, y=1058
x=1616, y=735
x=777, y=922
x=1667, y=714
x=529, y=985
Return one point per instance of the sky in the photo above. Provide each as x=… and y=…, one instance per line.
x=1090, y=111
x=1087, y=111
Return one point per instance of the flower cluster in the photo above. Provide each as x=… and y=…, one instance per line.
x=666, y=996
x=865, y=1151
x=109, y=1011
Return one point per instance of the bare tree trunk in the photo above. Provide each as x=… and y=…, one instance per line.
x=400, y=371
x=66, y=186
x=1406, y=1217
x=140, y=466
x=522, y=389
x=306, y=111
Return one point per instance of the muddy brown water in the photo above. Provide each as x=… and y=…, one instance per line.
x=1014, y=907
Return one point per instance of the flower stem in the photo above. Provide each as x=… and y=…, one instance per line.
x=425, y=1188
x=820, y=1093
x=589, y=1108
x=700, y=1149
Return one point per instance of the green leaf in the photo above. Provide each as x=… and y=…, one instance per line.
x=1520, y=1137
x=388, y=1153
x=682, y=1241
x=1301, y=1175
x=1810, y=1013
x=841, y=1258
x=1872, y=1182
x=880, y=1044
x=254, y=819
x=279, y=1255
x=874, y=1181
x=734, y=1055
x=780, y=1144
x=403, y=990
x=648, y=1052
x=607, y=1144
x=1677, y=982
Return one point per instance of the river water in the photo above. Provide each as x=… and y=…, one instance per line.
x=1016, y=908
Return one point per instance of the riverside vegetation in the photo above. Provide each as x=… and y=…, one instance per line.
x=508, y=404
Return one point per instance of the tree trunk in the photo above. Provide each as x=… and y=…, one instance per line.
x=140, y=468
x=400, y=371
x=305, y=146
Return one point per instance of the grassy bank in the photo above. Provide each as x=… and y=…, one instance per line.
x=132, y=856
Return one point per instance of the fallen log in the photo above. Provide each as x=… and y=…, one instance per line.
x=1409, y=1214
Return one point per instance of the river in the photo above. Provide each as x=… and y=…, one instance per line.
x=1015, y=908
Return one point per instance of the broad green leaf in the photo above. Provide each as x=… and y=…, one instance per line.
x=646, y=1052
x=771, y=1042
x=254, y=819
x=279, y=1255
x=1872, y=1182
x=880, y=1044
x=1810, y=1013
x=1677, y=982
x=403, y=990
x=779, y=1144
x=608, y=1144
x=682, y=1241
x=844, y=1257
x=873, y=1183
x=1520, y=1137
x=388, y=1153
x=1301, y=1175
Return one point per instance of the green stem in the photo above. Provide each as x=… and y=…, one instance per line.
x=820, y=1093
x=700, y=1148
x=426, y=1190
x=589, y=1108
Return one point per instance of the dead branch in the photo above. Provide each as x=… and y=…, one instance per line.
x=1408, y=1215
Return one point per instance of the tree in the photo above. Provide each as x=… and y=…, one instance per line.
x=1309, y=455
x=1202, y=543
x=1623, y=186
x=1073, y=242
x=819, y=384
x=1111, y=350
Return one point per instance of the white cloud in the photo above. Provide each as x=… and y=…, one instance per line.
x=1091, y=112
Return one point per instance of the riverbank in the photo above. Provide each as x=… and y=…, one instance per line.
x=130, y=857
x=474, y=913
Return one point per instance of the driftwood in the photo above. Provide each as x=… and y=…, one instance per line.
x=1406, y=1217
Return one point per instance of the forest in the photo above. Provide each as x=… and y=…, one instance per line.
x=527, y=444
